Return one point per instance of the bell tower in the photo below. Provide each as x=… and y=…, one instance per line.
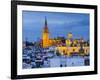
x=45, y=35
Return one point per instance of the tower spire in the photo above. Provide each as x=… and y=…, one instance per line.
x=45, y=21
x=46, y=42
x=46, y=26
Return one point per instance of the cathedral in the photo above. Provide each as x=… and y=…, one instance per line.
x=66, y=46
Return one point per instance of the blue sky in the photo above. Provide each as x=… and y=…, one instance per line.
x=59, y=24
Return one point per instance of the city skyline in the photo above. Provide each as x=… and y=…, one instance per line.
x=59, y=24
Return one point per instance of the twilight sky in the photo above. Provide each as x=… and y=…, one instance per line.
x=59, y=24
